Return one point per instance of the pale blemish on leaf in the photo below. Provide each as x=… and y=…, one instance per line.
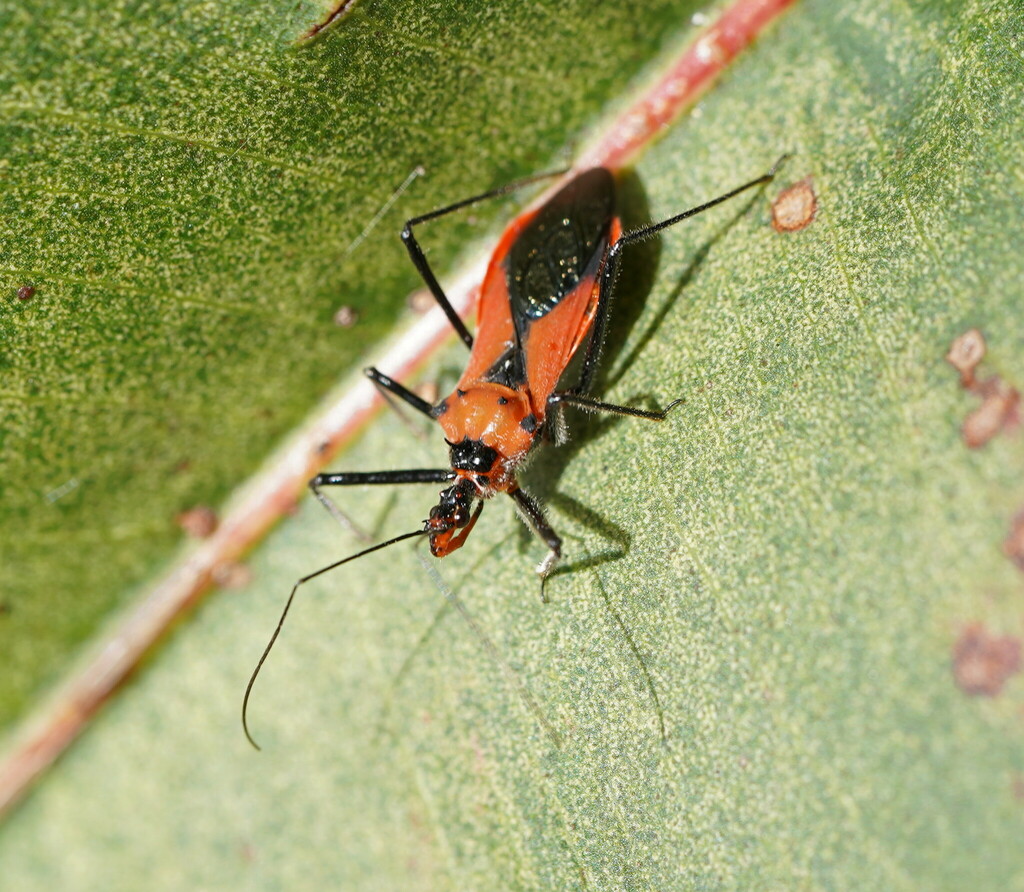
x=1000, y=401
x=794, y=207
x=966, y=351
x=198, y=522
x=346, y=317
x=233, y=575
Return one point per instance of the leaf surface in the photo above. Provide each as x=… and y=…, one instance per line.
x=778, y=574
x=188, y=191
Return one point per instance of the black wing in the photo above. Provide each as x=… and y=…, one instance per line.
x=563, y=244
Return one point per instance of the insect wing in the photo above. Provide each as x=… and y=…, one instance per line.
x=553, y=271
x=539, y=296
x=554, y=339
x=494, y=332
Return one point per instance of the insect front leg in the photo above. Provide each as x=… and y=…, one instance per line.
x=533, y=515
x=370, y=478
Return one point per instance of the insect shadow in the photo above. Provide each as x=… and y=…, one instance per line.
x=635, y=282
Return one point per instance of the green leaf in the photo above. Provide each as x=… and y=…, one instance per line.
x=187, y=192
x=786, y=563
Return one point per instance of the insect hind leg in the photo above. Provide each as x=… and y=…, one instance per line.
x=610, y=271
x=570, y=398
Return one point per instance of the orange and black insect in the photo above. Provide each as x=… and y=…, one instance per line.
x=546, y=293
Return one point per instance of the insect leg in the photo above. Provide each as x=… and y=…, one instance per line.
x=364, y=478
x=357, y=478
x=534, y=517
x=570, y=398
x=388, y=385
x=611, y=269
x=419, y=259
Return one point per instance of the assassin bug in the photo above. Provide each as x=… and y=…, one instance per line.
x=547, y=290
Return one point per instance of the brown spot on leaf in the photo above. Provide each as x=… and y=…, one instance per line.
x=339, y=11
x=794, y=207
x=1013, y=544
x=999, y=410
x=1000, y=402
x=965, y=353
x=26, y=292
x=232, y=575
x=1017, y=786
x=346, y=317
x=983, y=662
x=198, y=522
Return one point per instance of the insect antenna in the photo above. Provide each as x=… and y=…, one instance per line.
x=287, y=607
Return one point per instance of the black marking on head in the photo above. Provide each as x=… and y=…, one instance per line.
x=472, y=455
x=439, y=409
x=529, y=423
x=560, y=246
